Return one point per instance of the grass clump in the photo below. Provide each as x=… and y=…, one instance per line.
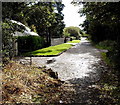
x=106, y=59
x=74, y=41
x=52, y=50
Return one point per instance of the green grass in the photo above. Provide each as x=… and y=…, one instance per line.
x=74, y=41
x=52, y=50
x=105, y=58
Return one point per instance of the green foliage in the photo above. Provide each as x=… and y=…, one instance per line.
x=103, y=23
x=72, y=31
x=66, y=34
x=106, y=59
x=106, y=44
x=30, y=43
x=59, y=24
x=111, y=57
x=8, y=40
x=50, y=51
x=39, y=16
x=74, y=41
x=102, y=20
x=48, y=23
x=73, y=38
x=114, y=56
x=14, y=10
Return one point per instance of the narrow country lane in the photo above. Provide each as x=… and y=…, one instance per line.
x=78, y=62
x=80, y=67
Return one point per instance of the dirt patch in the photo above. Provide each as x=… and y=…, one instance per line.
x=29, y=84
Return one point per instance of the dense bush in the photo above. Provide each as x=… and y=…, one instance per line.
x=8, y=51
x=106, y=44
x=114, y=55
x=30, y=43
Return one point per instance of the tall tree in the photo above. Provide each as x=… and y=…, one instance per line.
x=59, y=25
x=103, y=23
x=102, y=20
x=14, y=10
x=48, y=23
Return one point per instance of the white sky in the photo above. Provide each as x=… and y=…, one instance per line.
x=71, y=15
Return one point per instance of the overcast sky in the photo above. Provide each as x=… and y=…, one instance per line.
x=71, y=15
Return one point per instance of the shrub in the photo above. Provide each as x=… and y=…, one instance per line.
x=7, y=44
x=30, y=43
x=114, y=55
x=106, y=44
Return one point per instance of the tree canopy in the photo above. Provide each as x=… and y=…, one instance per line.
x=40, y=17
x=102, y=20
x=72, y=31
x=45, y=18
x=103, y=23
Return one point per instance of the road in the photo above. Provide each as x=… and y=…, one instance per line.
x=77, y=62
x=80, y=67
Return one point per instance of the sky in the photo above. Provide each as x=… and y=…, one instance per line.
x=71, y=15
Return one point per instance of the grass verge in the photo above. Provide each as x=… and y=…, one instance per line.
x=52, y=50
x=106, y=59
x=110, y=78
x=74, y=41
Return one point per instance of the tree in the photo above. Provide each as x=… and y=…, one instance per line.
x=10, y=10
x=48, y=23
x=102, y=20
x=39, y=16
x=15, y=11
x=72, y=31
x=59, y=24
x=103, y=23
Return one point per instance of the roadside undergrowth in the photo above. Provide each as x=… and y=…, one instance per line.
x=110, y=89
x=28, y=84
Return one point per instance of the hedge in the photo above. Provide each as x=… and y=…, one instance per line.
x=30, y=43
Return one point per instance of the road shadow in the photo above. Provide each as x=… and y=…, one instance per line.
x=86, y=91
